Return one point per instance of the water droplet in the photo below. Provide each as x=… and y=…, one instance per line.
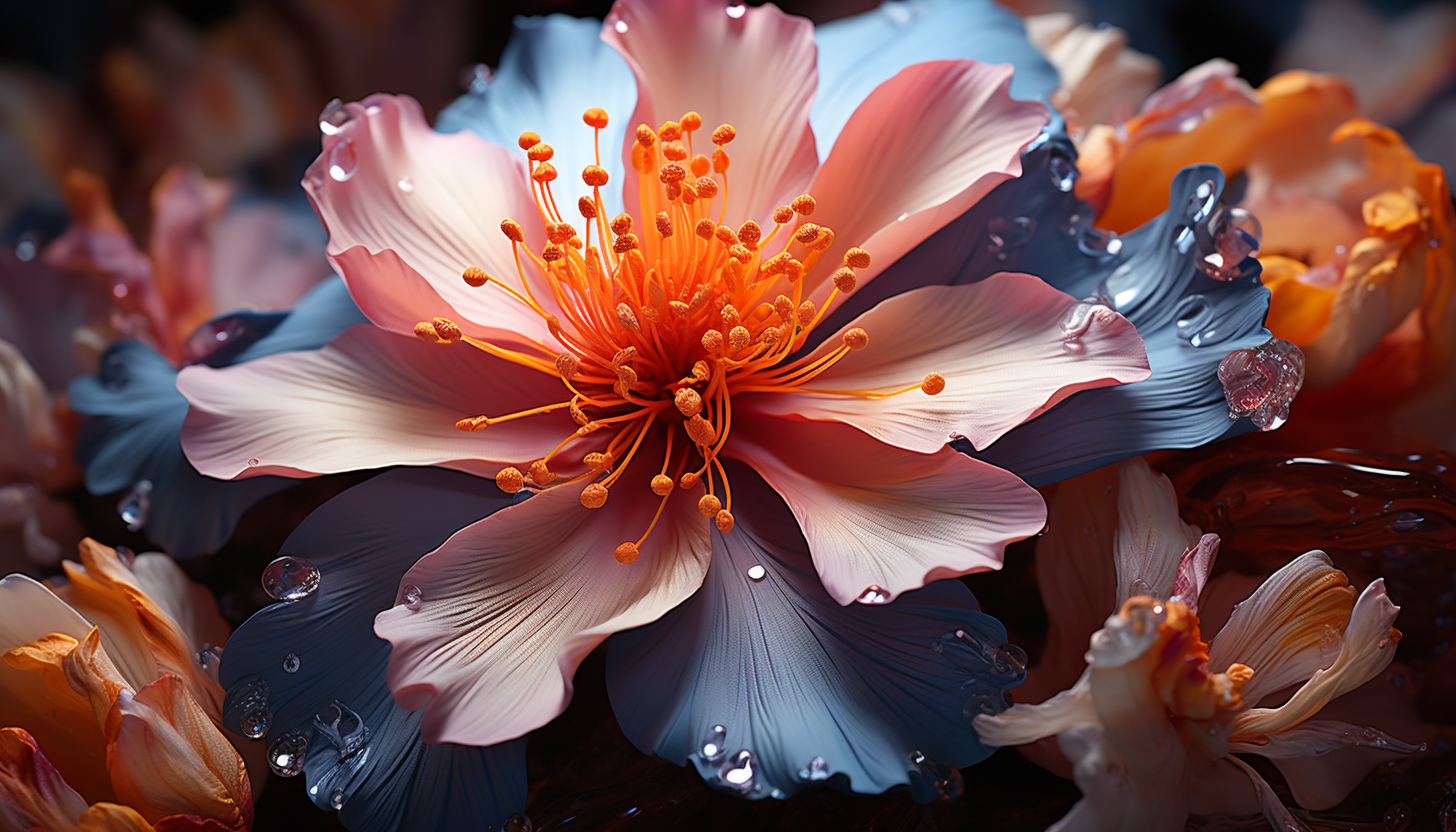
x=1063, y=172
x=290, y=579
x=412, y=597
x=1080, y=316
x=333, y=118
x=1098, y=242
x=253, y=462
x=1201, y=204
x=1261, y=383
x=620, y=26
x=1005, y=236
x=938, y=780
x=342, y=160
x=475, y=79
x=255, y=724
x=738, y=772
x=1397, y=818
x=1407, y=521
x=406, y=184
x=136, y=505
x=212, y=337
x=1072, y=346
x=817, y=769
x=1009, y=660
x=516, y=823
x=340, y=725
x=337, y=798
x=291, y=663
x=29, y=245
x=736, y=10
x=126, y=555
x=874, y=594
x=757, y=573
x=1194, y=314
x=1231, y=236
x=712, y=747
x=287, y=753
x=245, y=707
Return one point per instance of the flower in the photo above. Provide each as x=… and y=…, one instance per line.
x=1153, y=724
x=108, y=718
x=1102, y=80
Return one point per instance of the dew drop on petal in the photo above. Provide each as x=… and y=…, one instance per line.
x=126, y=555
x=1005, y=236
x=342, y=726
x=209, y=657
x=1193, y=316
x=1231, y=236
x=620, y=26
x=1072, y=346
x=291, y=663
x=245, y=707
x=136, y=505
x=290, y=579
x=337, y=798
x=1397, y=818
x=712, y=747
x=342, y=160
x=1261, y=382
x=412, y=597
x=757, y=573
x=817, y=769
x=475, y=79
x=874, y=594
x=738, y=772
x=406, y=184
x=255, y=724
x=517, y=823
x=253, y=462
x=1063, y=172
x=287, y=753
x=736, y=10
x=333, y=118
x=1009, y=660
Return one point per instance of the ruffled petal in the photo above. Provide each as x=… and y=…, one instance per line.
x=368, y=399
x=859, y=53
x=553, y=69
x=1323, y=760
x=754, y=71
x=921, y=149
x=402, y=249
x=33, y=795
x=362, y=542
x=999, y=346
x=794, y=677
x=859, y=500
x=1026, y=723
x=513, y=603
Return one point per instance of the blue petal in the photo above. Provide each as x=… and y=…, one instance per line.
x=792, y=675
x=554, y=69
x=362, y=542
x=134, y=425
x=1151, y=279
x=859, y=53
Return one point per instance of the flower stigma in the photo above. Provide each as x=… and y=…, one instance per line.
x=662, y=321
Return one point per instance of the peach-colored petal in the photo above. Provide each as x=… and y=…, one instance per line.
x=858, y=499
x=1151, y=538
x=1022, y=723
x=368, y=399
x=387, y=183
x=1323, y=760
x=1275, y=812
x=755, y=71
x=183, y=204
x=30, y=437
x=999, y=344
x=1102, y=80
x=918, y=152
x=113, y=817
x=33, y=795
x=511, y=605
x=264, y=258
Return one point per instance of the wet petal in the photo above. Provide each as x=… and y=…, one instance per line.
x=32, y=793
x=553, y=69
x=679, y=51
x=859, y=53
x=858, y=500
x=402, y=250
x=764, y=651
x=368, y=399
x=998, y=344
x=488, y=666
x=363, y=541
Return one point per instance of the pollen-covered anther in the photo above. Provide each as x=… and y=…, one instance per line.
x=625, y=355
x=672, y=173
x=594, y=495
x=599, y=461
x=595, y=117
x=678, y=308
x=675, y=151
x=712, y=341
x=793, y=270
x=784, y=307
x=512, y=230
x=933, y=384
x=662, y=485
x=724, y=134
x=688, y=481
x=425, y=331
x=472, y=424
x=730, y=315
x=567, y=365
x=552, y=252
x=664, y=224
x=624, y=243
x=749, y=234
x=844, y=279
x=783, y=214
x=670, y=131
x=707, y=187
x=627, y=317
x=627, y=553
x=586, y=207
x=770, y=335
x=594, y=176
x=622, y=224
x=540, y=152
x=540, y=474
x=475, y=276
x=856, y=339
x=724, y=521
x=510, y=480
x=709, y=505
x=721, y=161
x=528, y=140
x=447, y=330
x=738, y=338
x=803, y=205
x=588, y=428
x=704, y=229
x=689, y=402
x=857, y=258
x=645, y=136
x=544, y=172
x=578, y=415
x=700, y=430
x=806, y=312
x=807, y=233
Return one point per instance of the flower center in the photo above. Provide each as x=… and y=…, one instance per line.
x=659, y=327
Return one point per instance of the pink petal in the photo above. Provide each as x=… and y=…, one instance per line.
x=755, y=71
x=33, y=795
x=1193, y=570
x=880, y=520
x=923, y=148
x=433, y=200
x=368, y=399
x=183, y=202
x=512, y=604
x=999, y=345
x=264, y=259
x=1151, y=538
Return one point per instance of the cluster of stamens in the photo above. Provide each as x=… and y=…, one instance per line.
x=660, y=326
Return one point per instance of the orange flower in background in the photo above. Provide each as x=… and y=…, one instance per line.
x=109, y=721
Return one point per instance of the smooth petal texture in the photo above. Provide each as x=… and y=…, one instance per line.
x=1151, y=538
x=183, y=202
x=1026, y=723
x=792, y=675
x=1275, y=812
x=679, y=51
x=858, y=500
x=859, y=53
x=921, y=149
x=41, y=307
x=1288, y=628
x=1102, y=81
x=513, y=603
x=402, y=250
x=368, y=399
x=553, y=69
x=33, y=795
x=30, y=437
x=999, y=345
x=266, y=257
x=362, y=542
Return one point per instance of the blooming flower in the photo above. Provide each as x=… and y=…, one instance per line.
x=109, y=721
x=1151, y=726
